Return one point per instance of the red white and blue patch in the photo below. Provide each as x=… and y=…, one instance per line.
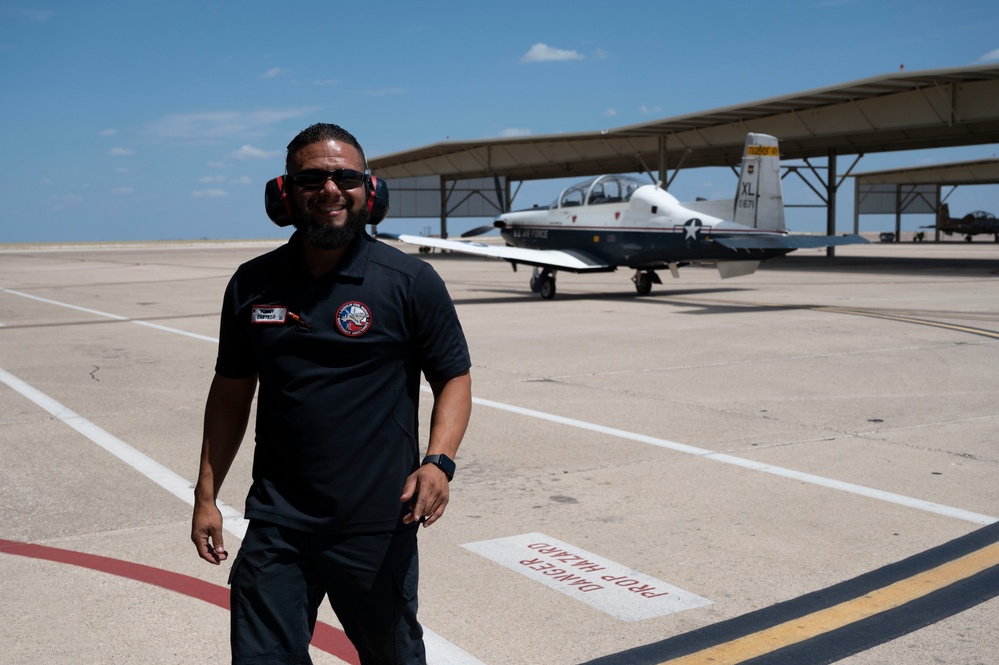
x=353, y=318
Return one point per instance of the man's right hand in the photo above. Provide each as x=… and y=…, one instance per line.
x=206, y=532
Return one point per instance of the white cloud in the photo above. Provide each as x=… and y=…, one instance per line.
x=36, y=15
x=122, y=190
x=216, y=165
x=610, y=112
x=220, y=125
x=120, y=152
x=249, y=152
x=210, y=193
x=382, y=92
x=66, y=201
x=107, y=132
x=515, y=131
x=646, y=110
x=221, y=179
x=541, y=52
x=273, y=73
x=990, y=56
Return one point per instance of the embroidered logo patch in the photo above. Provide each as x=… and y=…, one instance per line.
x=353, y=318
x=268, y=314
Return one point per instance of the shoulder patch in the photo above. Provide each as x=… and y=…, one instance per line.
x=353, y=319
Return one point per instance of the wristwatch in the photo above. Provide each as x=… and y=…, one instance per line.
x=442, y=462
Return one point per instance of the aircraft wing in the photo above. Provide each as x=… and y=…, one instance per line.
x=787, y=242
x=571, y=260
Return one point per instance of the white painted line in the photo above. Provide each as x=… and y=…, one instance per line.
x=116, y=317
x=622, y=592
x=440, y=650
x=147, y=466
x=176, y=331
x=860, y=490
x=63, y=304
x=812, y=479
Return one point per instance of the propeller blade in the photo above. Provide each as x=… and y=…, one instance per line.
x=477, y=231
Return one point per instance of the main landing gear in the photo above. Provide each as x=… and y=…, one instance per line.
x=543, y=282
x=644, y=279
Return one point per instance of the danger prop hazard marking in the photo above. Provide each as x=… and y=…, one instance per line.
x=622, y=592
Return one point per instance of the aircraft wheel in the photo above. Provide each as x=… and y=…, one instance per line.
x=547, y=289
x=643, y=283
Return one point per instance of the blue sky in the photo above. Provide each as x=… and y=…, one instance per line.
x=163, y=120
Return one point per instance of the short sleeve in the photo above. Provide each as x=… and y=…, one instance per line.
x=236, y=359
x=444, y=351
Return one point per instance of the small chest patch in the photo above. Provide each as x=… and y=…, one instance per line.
x=266, y=315
x=353, y=318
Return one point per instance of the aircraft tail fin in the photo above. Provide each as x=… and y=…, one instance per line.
x=759, y=202
x=943, y=216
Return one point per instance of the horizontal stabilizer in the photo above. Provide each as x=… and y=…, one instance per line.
x=571, y=260
x=788, y=242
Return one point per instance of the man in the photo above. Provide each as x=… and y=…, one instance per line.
x=337, y=328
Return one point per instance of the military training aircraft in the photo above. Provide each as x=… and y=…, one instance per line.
x=614, y=221
x=970, y=225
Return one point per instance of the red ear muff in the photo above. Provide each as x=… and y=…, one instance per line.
x=278, y=206
x=378, y=199
x=276, y=201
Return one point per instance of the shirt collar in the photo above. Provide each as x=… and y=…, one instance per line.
x=353, y=265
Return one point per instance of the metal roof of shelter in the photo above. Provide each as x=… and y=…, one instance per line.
x=899, y=111
x=977, y=172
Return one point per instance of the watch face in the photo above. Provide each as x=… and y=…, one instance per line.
x=447, y=466
x=442, y=462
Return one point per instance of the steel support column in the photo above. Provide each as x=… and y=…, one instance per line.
x=443, y=208
x=831, y=187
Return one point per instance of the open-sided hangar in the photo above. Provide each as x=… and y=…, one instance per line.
x=899, y=111
x=916, y=190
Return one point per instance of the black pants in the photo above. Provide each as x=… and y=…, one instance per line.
x=279, y=579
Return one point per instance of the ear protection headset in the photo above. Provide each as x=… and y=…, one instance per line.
x=278, y=206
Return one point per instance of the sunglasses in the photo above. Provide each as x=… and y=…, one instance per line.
x=316, y=178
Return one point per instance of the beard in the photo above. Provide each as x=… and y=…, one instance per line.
x=327, y=236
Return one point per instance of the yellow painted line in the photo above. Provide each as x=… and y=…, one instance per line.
x=851, y=611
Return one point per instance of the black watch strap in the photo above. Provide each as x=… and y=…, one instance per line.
x=442, y=462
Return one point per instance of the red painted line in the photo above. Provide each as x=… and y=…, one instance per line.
x=326, y=637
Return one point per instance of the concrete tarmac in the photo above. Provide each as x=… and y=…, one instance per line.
x=638, y=470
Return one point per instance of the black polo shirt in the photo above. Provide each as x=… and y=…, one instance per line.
x=339, y=361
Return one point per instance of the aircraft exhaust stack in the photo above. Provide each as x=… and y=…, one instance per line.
x=759, y=202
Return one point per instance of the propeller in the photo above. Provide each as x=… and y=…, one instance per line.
x=477, y=231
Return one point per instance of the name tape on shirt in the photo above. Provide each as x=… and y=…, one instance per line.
x=267, y=315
